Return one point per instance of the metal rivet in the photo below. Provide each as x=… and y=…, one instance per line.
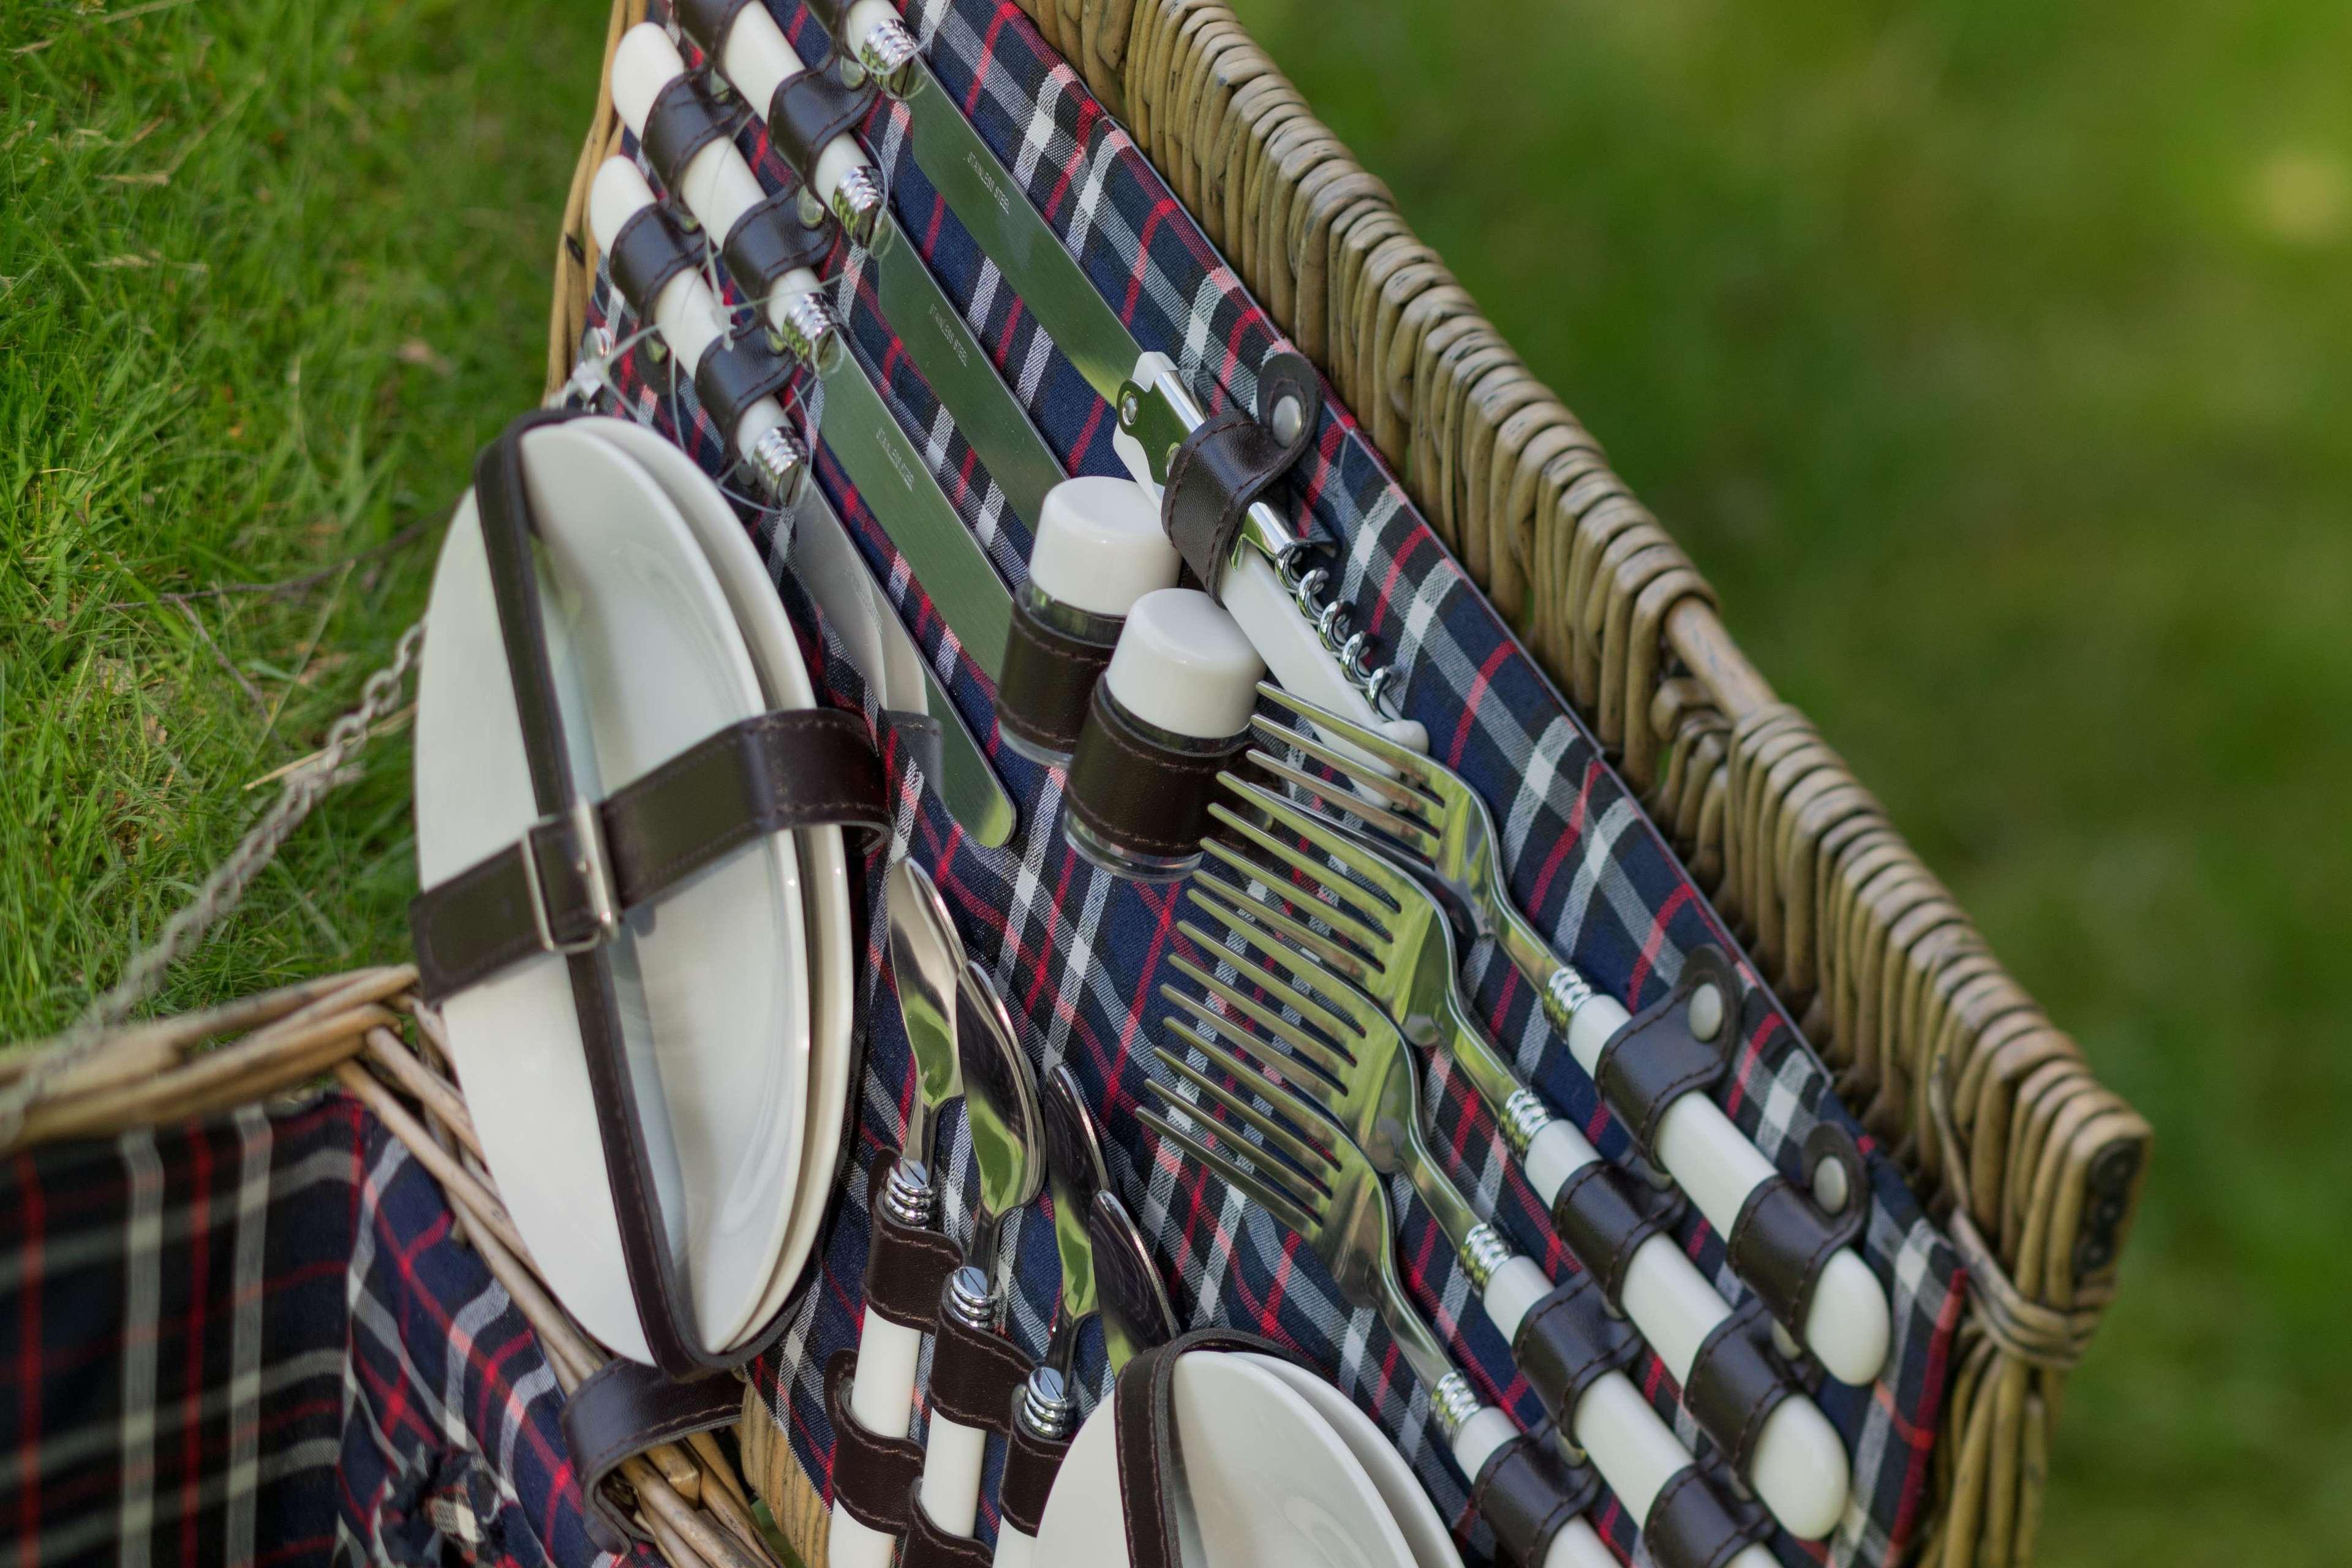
x=1288, y=415
x=1130, y=409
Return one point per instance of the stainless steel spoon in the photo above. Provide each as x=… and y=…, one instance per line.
x=1136, y=1312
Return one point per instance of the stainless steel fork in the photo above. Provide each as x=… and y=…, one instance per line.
x=1336, y=1203
x=1347, y=1058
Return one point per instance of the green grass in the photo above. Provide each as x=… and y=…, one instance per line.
x=1990, y=358
x=273, y=269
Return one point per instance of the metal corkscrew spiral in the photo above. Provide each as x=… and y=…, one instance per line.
x=1332, y=616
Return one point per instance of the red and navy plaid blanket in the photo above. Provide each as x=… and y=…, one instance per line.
x=258, y=1341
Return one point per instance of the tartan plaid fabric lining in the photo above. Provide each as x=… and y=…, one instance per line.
x=1079, y=955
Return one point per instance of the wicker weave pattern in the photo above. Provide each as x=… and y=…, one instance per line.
x=1937, y=1049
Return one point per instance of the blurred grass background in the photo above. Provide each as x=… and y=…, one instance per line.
x=1990, y=358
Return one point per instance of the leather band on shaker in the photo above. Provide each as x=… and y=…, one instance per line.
x=1526, y=1491
x=1047, y=685
x=1655, y=1058
x=1604, y=1216
x=1781, y=1240
x=1228, y=462
x=802, y=768
x=625, y=1407
x=1138, y=793
x=808, y=111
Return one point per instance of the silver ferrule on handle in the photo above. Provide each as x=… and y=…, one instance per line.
x=887, y=53
x=907, y=1194
x=858, y=204
x=1452, y=1401
x=1482, y=1252
x=806, y=330
x=1046, y=1409
x=780, y=463
x=970, y=1300
x=1561, y=987
x=1523, y=1115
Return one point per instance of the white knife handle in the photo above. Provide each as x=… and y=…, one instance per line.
x=1576, y=1546
x=1849, y=1325
x=1252, y=591
x=1013, y=1550
x=757, y=59
x=881, y=1397
x=952, y=1454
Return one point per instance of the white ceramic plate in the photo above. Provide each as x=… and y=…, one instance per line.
x=1268, y=1483
x=824, y=860
x=1425, y=1530
x=713, y=989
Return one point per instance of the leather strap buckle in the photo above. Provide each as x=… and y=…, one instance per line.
x=575, y=840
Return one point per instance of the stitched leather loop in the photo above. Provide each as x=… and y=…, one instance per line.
x=680, y=124
x=975, y=1374
x=1048, y=682
x=1781, y=1240
x=906, y=1267
x=1655, y=1060
x=1230, y=460
x=1526, y=1491
x=1566, y=1341
x=770, y=240
x=928, y=1546
x=1691, y=1525
x=873, y=1477
x=1135, y=791
x=625, y=1407
x=1030, y=1463
x=707, y=21
x=802, y=768
x=1605, y=1216
x=808, y=111
x=1143, y=1417
x=735, y=374
x=1736, y=1383
x=651, y=248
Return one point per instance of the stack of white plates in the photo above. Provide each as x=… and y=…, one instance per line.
x=735, y=987
x=1278, y=1471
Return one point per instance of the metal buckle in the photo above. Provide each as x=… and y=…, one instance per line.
x=595, y=875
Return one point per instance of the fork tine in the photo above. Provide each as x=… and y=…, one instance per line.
x=1356, y=916
x=1409, y=831
x=1331, y=1064
x=1313, y=1164
x=1276, y=1200
x=1245, y=870
x=1252, y=1063
x=1336, y=1051
x=1229, y=905
x=1409, y=764
x=1381, y=875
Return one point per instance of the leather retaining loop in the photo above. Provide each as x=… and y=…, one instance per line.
x=808, y=111
x=680, y=124
x=1526, y=1491
x=625, y=1407
x=1569, y=1341
x=1138, y=792
x=874, y=1477
x=906, y=1267
x=770, y=240
x=651, y=248
x=733, y=375
x=1030, y=1463
x=1781, y=1240
x=1655, y=1058
x=1736, y=1382
x=1691, y=1524
x=1143, y=1417
x=1228, y=462
x=1604, y=1216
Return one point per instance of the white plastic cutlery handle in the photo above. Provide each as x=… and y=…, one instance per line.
x=758, y=59
x=1013, y=1550
x=881, y=1398
x=1576, y=1545
x=1849, y=1325
x=952, y=1454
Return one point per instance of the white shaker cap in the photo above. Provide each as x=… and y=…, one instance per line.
x=1183, y=664
x=1100, y=546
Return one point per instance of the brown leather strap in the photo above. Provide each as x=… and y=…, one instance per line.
x=906, y=1267
x=808, y=110
x=1047, y=685
x=1691, y=1524
x=1781, y=1240
x=1228, y=462
x=651, y=249
x=707, y=21
x=975, y=1374
x=625, y=1407
x=1143, y=1419
x=1736, y=1383
x=770, y=240
x=1140, y=792
x=874, y=1477
x=805, y=768
x=1655, y=1060
x=1567, y=1341
x=1526, y=1491
x=1030, y=1463
x=680, y=122
x=927, y=1546
x=1604, y=1216
x=733, y=375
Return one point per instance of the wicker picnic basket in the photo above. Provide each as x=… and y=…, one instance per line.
x=2033, y=1166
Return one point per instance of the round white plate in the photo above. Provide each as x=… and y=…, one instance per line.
x=647, y=662
x=1417, y=1517
x=1268, y=1483
x=825, y=864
